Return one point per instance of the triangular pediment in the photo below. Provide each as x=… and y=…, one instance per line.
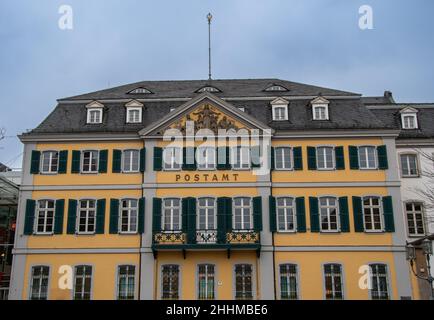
x=320, y=100
x=134, y=103
x=408, y=110
x=279, y=101
x=207, y=112
x=95, y=104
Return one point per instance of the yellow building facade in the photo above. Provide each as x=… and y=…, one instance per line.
x=111, y=214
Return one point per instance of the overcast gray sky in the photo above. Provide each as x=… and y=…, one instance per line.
x=115, y=42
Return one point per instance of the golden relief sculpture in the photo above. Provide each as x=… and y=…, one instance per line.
x=206, y=117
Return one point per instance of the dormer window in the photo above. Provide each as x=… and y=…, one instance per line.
x=94, y=112
x=140, y=90
x=320, y=109
x=275, y=88
x=409, y=118
x=243, y=109
x=208, y=89
x=134, y=111
x=280, y=109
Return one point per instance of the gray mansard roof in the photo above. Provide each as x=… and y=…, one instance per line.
x=346, y=110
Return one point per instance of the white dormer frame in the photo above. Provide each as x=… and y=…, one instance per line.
x=279, y=103
x=275, y=88
x=134, y=105
x=210, y=89
x=320, y=102
x=140, y=90
x=409, y=112
x=92, y=107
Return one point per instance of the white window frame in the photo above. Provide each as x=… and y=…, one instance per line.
x=415, y=212
x=128, y=279
x=171, y=285
x=208, y=89
x=325, y=158
x=291, y=158
x=407, y=165
x=207, y=166
x=326, y=111
x=405, y=124
x=240, y=166
x=285, y=207
x=129, y=209
x=90, y=161
x=40, y=278
x=366, y=157
x=376, y=277
x=91, y=119
x=243, y=207
x=276, y=88
x=83, y=277
x=334, y=274
x=173, y=159
x=46, y=210
x=172, y=209
x=131, y=162
x=50, y=154
x=244, y=274
x=88, y=210
x=207, y=208
x=242, y=109
x=288, y=275
x=207, y=275
x=285, y=112
x=131, y=109
x=371, y=207
x=329, y=209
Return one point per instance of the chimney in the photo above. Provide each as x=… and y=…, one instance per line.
x=388, y=96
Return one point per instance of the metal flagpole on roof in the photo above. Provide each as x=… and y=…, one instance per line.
x=209, y=17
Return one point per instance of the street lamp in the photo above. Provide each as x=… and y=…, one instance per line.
x=427, y=250
x=427, y=247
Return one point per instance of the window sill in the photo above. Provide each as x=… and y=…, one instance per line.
x=286, y=231
x=48, y=173
x=411, y=177
x=43, y=234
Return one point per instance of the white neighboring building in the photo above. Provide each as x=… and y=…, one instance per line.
x=415, y=148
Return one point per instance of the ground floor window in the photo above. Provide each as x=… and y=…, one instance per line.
x=126, y=282
x=243, y=281
x=170, y=282
x=39, y=283
x=83, y=283
x=206, y=281
x=333, y=281
x=288, y=282
x=379, y=282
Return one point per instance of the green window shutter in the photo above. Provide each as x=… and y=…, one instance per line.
x=255, y=156
x=222, y=210
x=102, y=167
x=63, y=161
x=343, y=214
x=189, y=219
x=117, y=161
x=229, y=225
x=158, y=159
x=100, y=216
x=34, y=162
x=272, y=164
x=358, y=214
x=58, y=216
x=301, y=214
x=228, y=159
x=72, y=216
x=141, y=222
x=314, y=214
x=189, y=158
x=29, y=219
x=354, y=157
x=272, y=209
x=114, y=216
x=311, y=158
x=298, y=158
x=257, y=214
x=389, y=223
x=340, y=159
x=142, y=160
x=75, y=165
x=156, y=214
x=382, y=157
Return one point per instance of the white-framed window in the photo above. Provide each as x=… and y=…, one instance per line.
x=86, y=217
x=39, y=282
x=243, y=281
x=130, y=160
x=409, y=120
x=172, y=158
x=379, y=282
x=242, y=219
x=172, y=109
x=368, y=157
x=170, y=282
x=83, y=282
x=320, y=112
x=45, y=217
x=208, y=89
x=280, y=112
x=275, y=88
x=288, y=281
x=328, y=209
x=171, y=219
x=129, y=215
x=282, y=158
x=134, y=114
x=126, y=282
x=415, y=221
x=243, y=109
x=325, y=158
x=333, y=281
x=206, y=281
x=206, y=158
x=409, y=165
x=206, y=218
x=89, y=161
x=372, y=213
x=140, y=91
x=285, y=214
x=240, y=158
x=94, y=115
x=50, y=162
